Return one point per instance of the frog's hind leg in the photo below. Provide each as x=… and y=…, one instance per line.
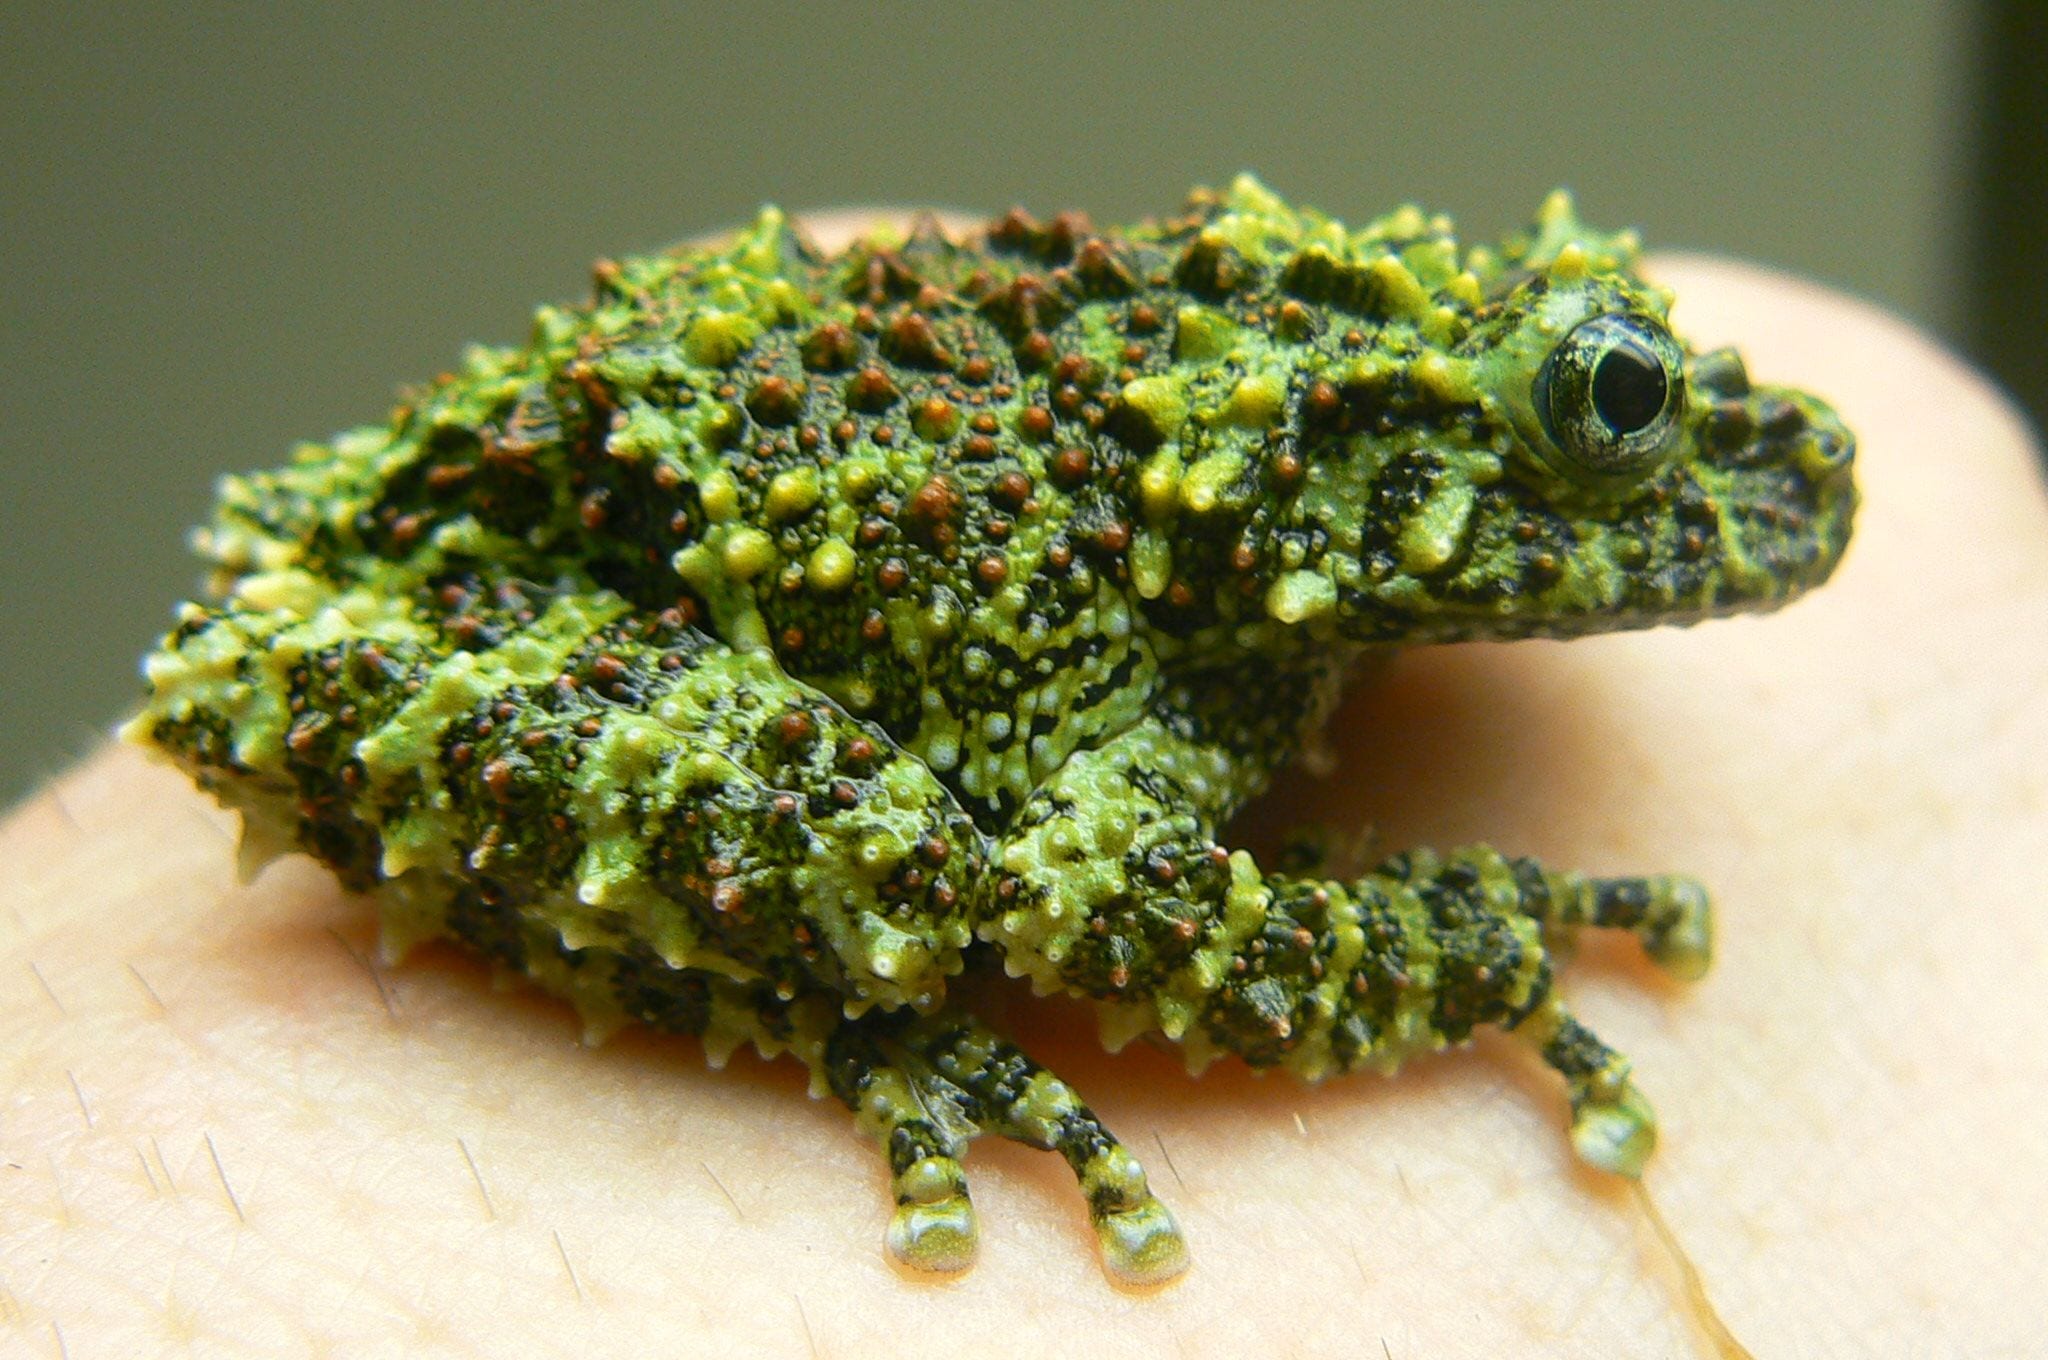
x=925, y=1085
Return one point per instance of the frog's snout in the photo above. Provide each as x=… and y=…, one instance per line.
x=1783, y=464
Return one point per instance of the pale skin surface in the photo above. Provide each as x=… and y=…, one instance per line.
x=227, y=1132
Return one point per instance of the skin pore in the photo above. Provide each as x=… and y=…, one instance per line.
x=229, y=1128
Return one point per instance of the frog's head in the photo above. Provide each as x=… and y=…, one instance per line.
x=1567, y=465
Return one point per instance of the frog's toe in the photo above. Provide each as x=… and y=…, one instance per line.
x=940, y=1237
x=1681, y=939
x=1617, y=1133
x=1142, y=1244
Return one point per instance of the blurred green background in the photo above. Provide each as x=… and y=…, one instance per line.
x=225, y=229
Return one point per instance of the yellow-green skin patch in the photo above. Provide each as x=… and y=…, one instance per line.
x=777, y=635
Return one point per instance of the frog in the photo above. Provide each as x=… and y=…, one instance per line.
x=781, y=637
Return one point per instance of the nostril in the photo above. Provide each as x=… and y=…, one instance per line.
x=1826, y=451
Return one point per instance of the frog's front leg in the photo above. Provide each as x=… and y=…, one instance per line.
x=1111, y=885
x=923, y=1086
x=923, y=1124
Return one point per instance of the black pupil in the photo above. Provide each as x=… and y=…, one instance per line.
x=1629, y=388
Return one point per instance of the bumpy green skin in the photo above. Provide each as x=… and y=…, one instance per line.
x=776, y=635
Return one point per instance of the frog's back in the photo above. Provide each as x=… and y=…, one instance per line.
x=908, y=471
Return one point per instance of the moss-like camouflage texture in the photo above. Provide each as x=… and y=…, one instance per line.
x=778, y=634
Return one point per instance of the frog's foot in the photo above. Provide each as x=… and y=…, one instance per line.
x=1141, y=1243
x=1613, y=1127
x=925, y=1086
x=1669, y=913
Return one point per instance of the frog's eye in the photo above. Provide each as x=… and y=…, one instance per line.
x=1610, y=393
